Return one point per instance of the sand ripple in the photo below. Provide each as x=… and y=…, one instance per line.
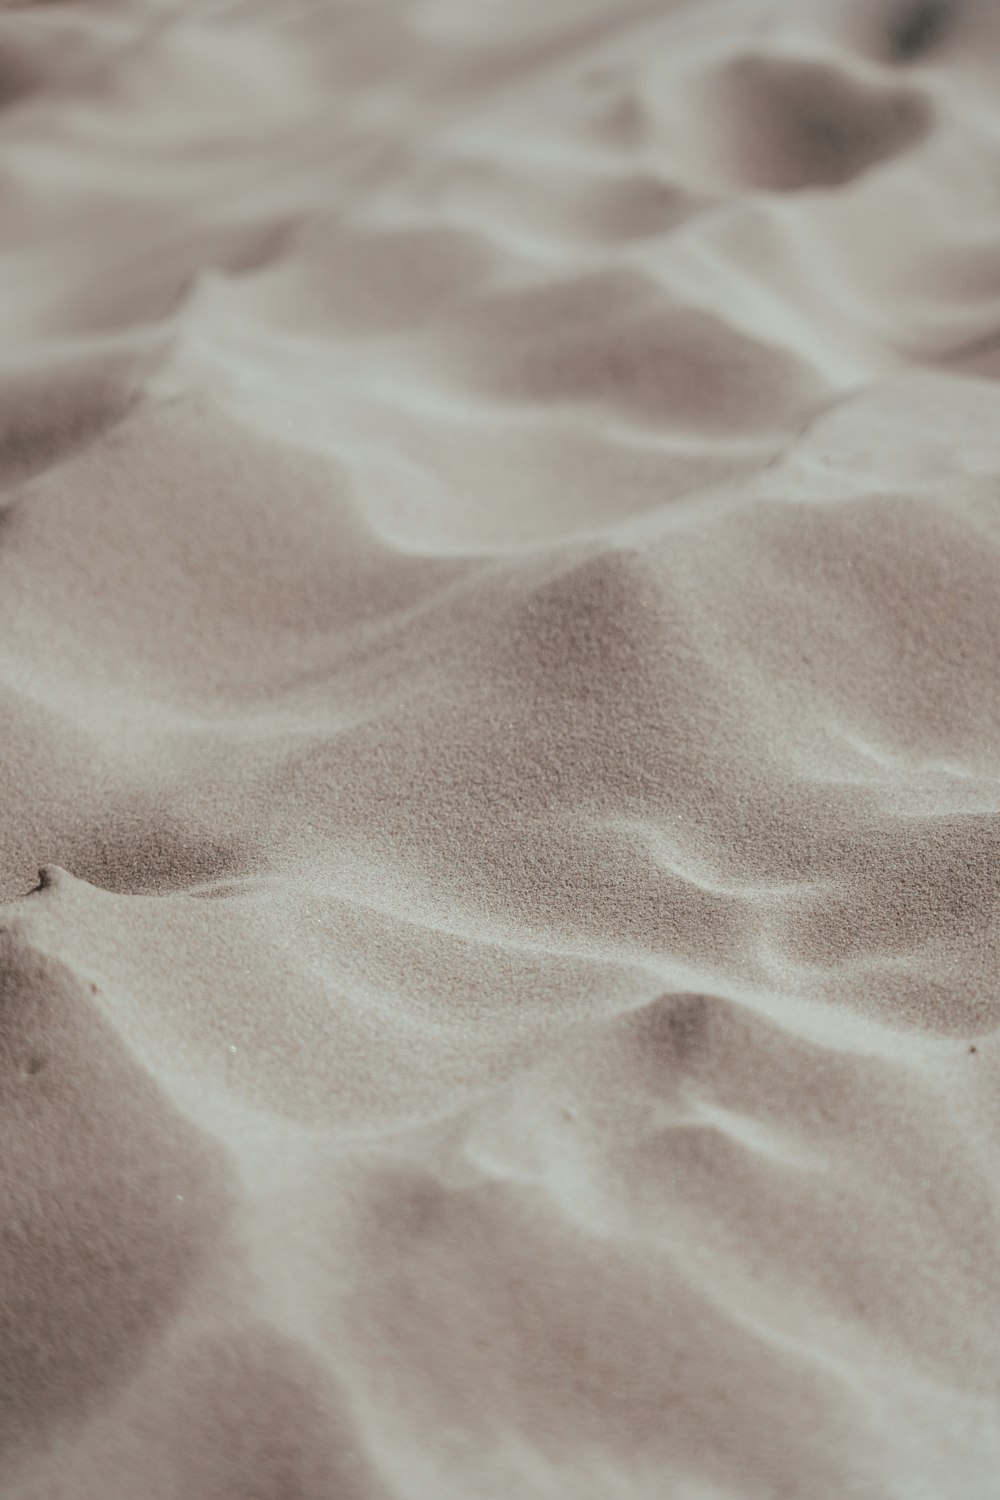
x=499, y=588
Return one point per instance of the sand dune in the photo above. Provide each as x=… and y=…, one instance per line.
x=499, y=599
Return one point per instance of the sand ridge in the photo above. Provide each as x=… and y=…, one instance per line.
x=499, y=584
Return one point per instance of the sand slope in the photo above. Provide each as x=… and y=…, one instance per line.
x=499, y=813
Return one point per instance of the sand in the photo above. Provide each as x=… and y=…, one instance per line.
x=499, y=750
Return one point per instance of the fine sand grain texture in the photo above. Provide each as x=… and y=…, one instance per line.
x=500, y=750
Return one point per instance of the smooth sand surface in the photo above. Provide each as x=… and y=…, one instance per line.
x=499, y=750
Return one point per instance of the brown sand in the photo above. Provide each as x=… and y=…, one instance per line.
x=499, y=608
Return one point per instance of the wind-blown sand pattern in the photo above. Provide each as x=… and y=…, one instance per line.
x=499, y=615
